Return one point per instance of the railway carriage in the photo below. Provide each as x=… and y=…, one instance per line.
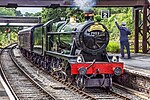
x=74, y=51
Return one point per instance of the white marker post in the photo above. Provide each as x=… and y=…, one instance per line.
x=105, y=14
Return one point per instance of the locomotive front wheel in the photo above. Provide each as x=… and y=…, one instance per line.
x=80, y=82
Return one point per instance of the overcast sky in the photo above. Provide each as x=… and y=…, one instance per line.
x=29, y=9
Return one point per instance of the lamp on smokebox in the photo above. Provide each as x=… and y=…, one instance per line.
x=7, y=30
x=89, y=15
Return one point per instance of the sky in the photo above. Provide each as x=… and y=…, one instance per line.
x=29, y=9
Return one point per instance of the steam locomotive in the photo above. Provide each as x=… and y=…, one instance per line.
x=72, y=50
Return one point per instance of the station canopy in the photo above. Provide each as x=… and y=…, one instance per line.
x=69, y=3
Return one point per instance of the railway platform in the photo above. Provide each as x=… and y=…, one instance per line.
x=137, y=72
x=138, y=64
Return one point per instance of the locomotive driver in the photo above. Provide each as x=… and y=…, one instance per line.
x=124, y=42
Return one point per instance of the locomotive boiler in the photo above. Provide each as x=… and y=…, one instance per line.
x=72, y=50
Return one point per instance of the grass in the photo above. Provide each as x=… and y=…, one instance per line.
x=113, y=47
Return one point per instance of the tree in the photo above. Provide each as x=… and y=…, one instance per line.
x=51, y=13
x=7, y=12
x=28, y=14
x=3, y=32
x=37, y=14
x=18, y=13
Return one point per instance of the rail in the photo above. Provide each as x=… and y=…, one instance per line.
x=139, y=94
x=3, y=74
x=51, y=97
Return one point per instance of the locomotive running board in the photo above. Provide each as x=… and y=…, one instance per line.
x=63, y=56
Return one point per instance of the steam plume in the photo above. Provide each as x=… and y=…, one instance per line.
x=85, y=4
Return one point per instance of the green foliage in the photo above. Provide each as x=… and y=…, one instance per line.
x=97, y=18
x=28, y=14
x=4, y=38
x=124, y=16
x=18, y=13
x=13, y=33
x=7, y=12
x=51, y=13
x=3, y=34
x=113, y=47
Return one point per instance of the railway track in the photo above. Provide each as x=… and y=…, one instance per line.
x=48, y=83
x=20, y=84
x=91, y=94
x=118, y=92
x=136, y=94
x=95, y=93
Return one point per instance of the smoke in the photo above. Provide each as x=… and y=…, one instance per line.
x=85, y=4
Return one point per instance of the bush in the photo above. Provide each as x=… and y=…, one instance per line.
x=113, y=47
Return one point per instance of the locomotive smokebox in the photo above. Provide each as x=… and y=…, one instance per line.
x=89, y=15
